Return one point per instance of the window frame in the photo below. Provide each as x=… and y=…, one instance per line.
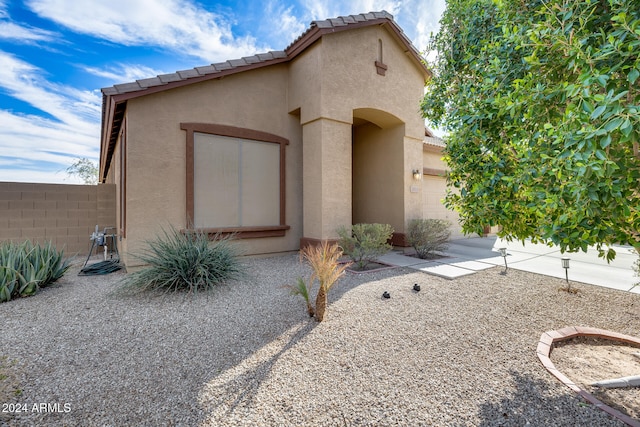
x=242, y=133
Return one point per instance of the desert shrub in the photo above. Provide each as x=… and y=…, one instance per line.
x=363, y=243
x=190, y=262
x=428, y=235
x=26, y=267
x=327, y=269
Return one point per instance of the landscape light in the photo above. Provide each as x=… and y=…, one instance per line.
x=503, y=252
x=565, y=265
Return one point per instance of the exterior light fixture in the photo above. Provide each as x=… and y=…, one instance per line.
x=417, y=175
x=565, y=265
x=503, y=252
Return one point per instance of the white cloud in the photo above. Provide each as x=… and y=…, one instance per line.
x=289, y=26
x=18, y=33
x=179, y=25
x=35, y=148
x=122, y=73
x=26, y=82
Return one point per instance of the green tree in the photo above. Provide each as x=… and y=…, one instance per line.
x=541, y=102
x=84, y=169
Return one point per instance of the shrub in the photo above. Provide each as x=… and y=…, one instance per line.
x=190, y=262
x=25, y=268
x=363, y=243
x=428, y=235
x=325, y=263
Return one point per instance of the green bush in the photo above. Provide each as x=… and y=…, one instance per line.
x=428, y=235
x=190, y=262
x=363, y=243
x=25, y=268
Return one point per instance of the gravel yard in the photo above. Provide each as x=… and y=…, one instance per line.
x=460, y=352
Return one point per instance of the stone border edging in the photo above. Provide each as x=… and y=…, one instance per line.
x=545, y=346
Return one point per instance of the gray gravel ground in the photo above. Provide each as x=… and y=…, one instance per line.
x=459, y=353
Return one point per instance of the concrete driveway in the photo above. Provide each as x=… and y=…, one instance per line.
x=469, y=255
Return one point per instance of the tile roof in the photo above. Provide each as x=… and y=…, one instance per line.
x=434, y=141
x=237, y=65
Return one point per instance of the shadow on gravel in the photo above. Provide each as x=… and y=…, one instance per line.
x=536, y=403
x=238, y=386
x=234, y=389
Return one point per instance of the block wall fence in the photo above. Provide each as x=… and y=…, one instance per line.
x=64, y=214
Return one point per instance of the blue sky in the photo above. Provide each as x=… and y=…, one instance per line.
x=55, y=55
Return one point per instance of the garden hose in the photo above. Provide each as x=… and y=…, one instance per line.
x=102, y=267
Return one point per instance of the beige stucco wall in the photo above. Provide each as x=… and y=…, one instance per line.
x=156, y=149
x=434, y=189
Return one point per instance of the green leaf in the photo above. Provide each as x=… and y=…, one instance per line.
x=633, y=75
x=598, y=111
x=613, y=124
x=626, y=128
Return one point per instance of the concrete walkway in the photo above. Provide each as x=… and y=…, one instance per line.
x=467, y=256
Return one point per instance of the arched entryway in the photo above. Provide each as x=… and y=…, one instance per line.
x=378, y=168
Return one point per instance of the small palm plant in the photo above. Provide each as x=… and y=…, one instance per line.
x=304, y=290
x=325, y=263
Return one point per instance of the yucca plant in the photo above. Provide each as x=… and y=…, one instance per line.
x=325, y=263
x=190, y=262
x=26, y=267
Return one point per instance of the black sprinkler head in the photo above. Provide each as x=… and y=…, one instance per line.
x=416, y=287
x=386, y=294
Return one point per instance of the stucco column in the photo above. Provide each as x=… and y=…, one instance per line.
x=326, y=175
x=413, y=159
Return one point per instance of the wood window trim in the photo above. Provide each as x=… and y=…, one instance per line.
x=243, y=133
x=434, y=172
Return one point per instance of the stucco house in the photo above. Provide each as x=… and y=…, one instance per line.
x=281, y=148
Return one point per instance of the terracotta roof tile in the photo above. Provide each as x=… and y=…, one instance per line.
x=185, y=74
x=153, y=81
x=251, y=59
x=221, y=66
x=127, y=87
x=110, y=91
x=168, y=78
x=434, y=141
x=207, y=69
x=322, y=24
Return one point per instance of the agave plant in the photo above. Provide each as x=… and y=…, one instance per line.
x=27, y=267
x=324, y=260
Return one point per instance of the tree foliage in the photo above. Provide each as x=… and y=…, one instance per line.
x=541, y=101
x=84, y=169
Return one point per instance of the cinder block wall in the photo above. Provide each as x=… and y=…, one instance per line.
x=64, y=214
